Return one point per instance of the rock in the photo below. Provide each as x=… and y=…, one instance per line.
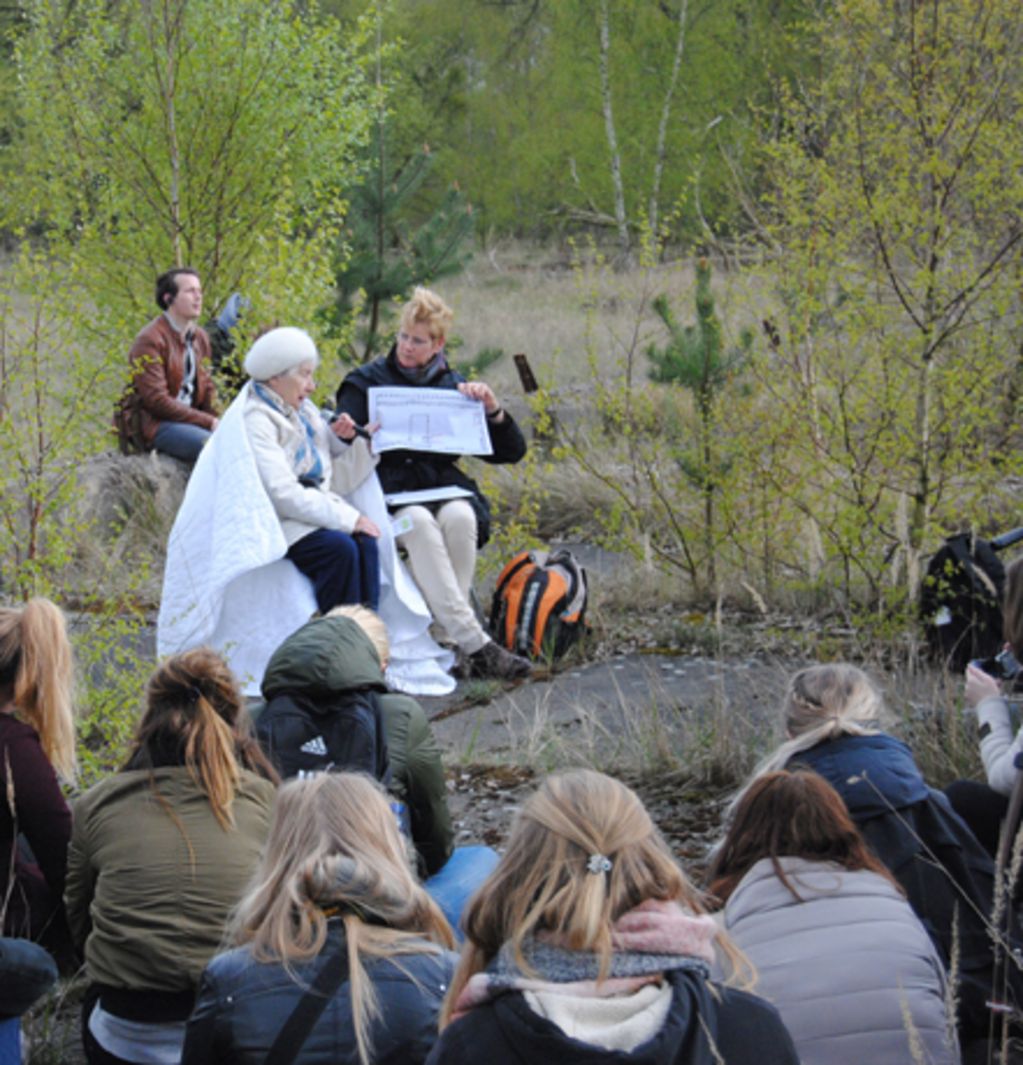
x=125, y=508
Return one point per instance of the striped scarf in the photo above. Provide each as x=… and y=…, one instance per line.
x=305, y=469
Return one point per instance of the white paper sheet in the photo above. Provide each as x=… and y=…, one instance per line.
x=428, y=419
x=427, y=495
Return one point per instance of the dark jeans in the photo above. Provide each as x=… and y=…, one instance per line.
x=344, y=568
x=27, y=972
x=181, y=440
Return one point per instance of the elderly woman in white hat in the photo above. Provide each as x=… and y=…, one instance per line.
x=284, y=515
x=295, y=450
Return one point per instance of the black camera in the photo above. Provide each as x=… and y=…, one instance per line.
x=1003, y=666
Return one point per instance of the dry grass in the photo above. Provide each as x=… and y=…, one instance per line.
x=558, y=306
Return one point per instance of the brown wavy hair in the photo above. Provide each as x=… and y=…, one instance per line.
x=37, y=675
x=195, y=715
x=789, y=814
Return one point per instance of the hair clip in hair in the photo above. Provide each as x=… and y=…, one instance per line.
x=194, y=694
x=598, y=863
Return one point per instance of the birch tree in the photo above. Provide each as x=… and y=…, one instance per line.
x=897, y=199
x=217, y=133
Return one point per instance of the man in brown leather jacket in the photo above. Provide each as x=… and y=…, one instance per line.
x=171, y=388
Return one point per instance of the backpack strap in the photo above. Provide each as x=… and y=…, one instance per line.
x=331, y=974
x=575, y=576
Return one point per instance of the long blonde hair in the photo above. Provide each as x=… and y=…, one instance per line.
x=36, y=669
x=821, y=703
x=542, y=883
x=195, y=710
x=334, y=849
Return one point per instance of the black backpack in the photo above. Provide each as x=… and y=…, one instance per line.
x=343, y=731
x=961, y=598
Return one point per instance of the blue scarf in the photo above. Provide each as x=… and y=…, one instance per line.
x=305, y=447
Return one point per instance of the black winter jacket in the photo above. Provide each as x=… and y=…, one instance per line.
x=243, y=1004
x=701, y=1029
x=329, y=657
x=408, y=471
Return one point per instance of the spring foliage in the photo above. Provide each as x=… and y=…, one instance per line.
x=217, y=133
x=221, y=134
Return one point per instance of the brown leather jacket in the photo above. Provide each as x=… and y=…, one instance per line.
x=157, y=358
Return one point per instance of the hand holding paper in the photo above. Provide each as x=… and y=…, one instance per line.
x=429, y=419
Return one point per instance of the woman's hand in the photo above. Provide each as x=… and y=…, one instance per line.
x=481, y=391
x=370, y=528
x=979, y=685
x=344, y=427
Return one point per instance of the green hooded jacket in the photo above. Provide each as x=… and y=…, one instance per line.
x=329, y=656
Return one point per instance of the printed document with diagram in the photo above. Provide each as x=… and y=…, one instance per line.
x=428, y=419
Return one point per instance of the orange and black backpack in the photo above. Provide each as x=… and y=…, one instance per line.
x=539, y=604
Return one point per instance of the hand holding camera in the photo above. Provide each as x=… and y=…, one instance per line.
x=983, y=676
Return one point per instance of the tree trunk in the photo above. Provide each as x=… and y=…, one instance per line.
x=171, y=15
x=662, y=128
x=621, y=222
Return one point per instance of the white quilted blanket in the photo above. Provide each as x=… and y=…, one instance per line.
x=228, y=585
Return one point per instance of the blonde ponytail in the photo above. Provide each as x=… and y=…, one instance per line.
x=823, y=702
x=210, y=758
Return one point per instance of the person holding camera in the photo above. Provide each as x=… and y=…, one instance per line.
x=982, y=806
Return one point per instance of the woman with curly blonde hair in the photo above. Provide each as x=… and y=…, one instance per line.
x=588, y=943
x=444, y=532
x=334, y=907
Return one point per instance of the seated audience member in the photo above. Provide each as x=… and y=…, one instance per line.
x=334, y=923
x=295, y=451
x=171, y=394
x=982, y=806
x=37, y=742
x=835, y=945
x=342, y=655
x=316, y=680
x=588, y=944
x=445, y=535
x=834, y=718
x=160, y=853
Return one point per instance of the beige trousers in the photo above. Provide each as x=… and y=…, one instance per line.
x=442, y=557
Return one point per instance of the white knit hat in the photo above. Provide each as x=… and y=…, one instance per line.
x=278, y=351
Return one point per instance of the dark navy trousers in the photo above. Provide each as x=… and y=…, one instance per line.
x=344, y=567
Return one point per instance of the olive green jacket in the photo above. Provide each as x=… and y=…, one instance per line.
x=152, y=875
x=329, y=656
